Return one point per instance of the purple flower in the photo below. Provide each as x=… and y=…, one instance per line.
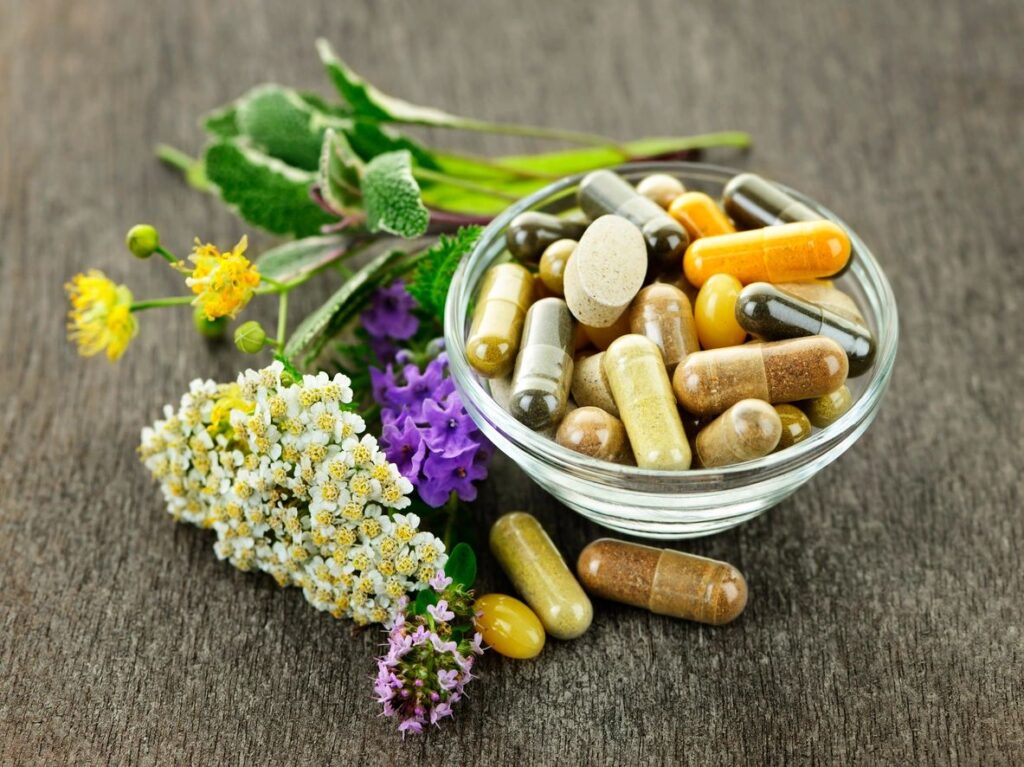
x=414, y=726
x=451, y=473
x=390, y=313
x=440, y=611
x=450, y=425
x=439, y=582
x=403, y=444
x=440, y=711
x=382, y=385
x=477, y=644
x=447, y=678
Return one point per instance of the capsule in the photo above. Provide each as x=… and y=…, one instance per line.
x=552, y=265
x=602, y=338
x=590, y=384
x=540, y=575
x=796, y=427
x=603, y=192
x=714, y=312
x=752, y=202
x=826, y=410
x=606, y=270
x=782, y=253
x=530, y=233
x=662, y=313
x=772, y=314
x=827, y=296
x=710, y=382
x=540, y=382
x=660, y=188
x=643, y=394
x=749, y=429
x=508, y=626
x=594, y=432
x=664, y=581
x=700, y=216
x=497, y=324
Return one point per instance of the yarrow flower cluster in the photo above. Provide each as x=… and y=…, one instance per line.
x=429, y=659
x=223, y=282
x=279, y=470
x=100, y=318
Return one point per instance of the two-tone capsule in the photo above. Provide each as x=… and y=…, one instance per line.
x=530, y=233
x=709, y=382
x=752, y=202
x=664, y=581
x=643, y=394
x=749, y=429
x=494, y=334
x=603, y=192
x=662, y=313
x=772, y=314
x=784, y=253
x=543, y=372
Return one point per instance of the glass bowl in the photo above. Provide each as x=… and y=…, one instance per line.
x=653, y=503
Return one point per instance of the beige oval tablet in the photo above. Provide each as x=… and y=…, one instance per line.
x=606, y=271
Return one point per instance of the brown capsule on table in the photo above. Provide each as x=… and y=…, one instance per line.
x=663, y=314
x=795, y=426
x=594, y=432
x=552, y=265
x=664, y=581
x=700, y=215
x=530, y=233
x=752, y=202
x=711, y=381
x=770, y=313
x=602, y=338
x=660, y=188
x=603, y=192
x=827, y=409
x=605, y=272
x=493, y=341
x=749, y=429
x=590, y=384
x=540, y=382
x=827, y=296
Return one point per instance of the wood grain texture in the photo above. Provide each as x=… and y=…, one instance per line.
x=885, y=622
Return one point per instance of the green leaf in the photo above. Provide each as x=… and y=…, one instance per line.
x=391, y=196
x=370, y=139
x=461, y=566
x=284, y=126
x=424, y=599
x=264, y=191
x=429, y=285
x=339, y=174
x=293, y=259
x=223, y=122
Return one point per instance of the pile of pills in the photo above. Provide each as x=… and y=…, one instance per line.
x=655, y=328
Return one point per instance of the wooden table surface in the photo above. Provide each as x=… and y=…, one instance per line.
x=885, y=620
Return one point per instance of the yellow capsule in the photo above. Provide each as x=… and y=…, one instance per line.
x=493, y=341
x=537, y=570
x=643, y=395
x=796, y=427
x=784, y=253
x=715, y=312
x=552, y=265
x=700, y=215
x=508, y=626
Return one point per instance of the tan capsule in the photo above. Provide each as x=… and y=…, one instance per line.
x=660, y=188
x=827, y=296
x=590, y=384
x=826, y=410
x=594, y=432
x=643, y=395
x=552, y=265
x=497, y=324
x=700, y=216
x=709, y=382
x=543, y=372
x=796, y=427
x=664, y=581
x=602, y=338
x=663, y=314
x=749, y=429
x=540, y=575
x=606, y=270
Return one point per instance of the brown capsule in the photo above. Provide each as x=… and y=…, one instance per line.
x=663, y=314
x=664, y=581
x=711, y=381
x=660, y=188
x=602, y=337
x=749, y=429
x=552, y=265
x=594, y=432
x=826, y=410
x=590, y=384
x=795, y=426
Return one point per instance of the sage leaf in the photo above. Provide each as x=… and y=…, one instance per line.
x=296, y=258
x=391, y=196
x=339, y=173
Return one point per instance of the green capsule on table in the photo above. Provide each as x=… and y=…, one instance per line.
x=501, y=306
x=530, y=233
x=540, y=575
x=766, y=311
x=603, y=192
x=543, y=372
x=752, y=202
x=796, y=427
x=826, y=410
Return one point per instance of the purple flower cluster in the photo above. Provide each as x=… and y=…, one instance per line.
x=427, y=432
x=389, y=318
x=429, y=659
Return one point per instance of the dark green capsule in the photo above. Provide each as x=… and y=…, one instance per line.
x=603, y=192
x=529, y=234
x=766, y=311
x=543, y=372
x=753, y=202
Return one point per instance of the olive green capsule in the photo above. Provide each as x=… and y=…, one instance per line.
x=530, y=233
x=796, y=427
x=543, y=372
x=826, y=410
x=752, y=202
x=498, y=319
x=603, y=192
x=749, y=429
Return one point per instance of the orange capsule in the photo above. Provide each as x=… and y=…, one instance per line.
x=801, y=251
x=700, y=215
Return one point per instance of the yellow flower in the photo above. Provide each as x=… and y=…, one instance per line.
x=100, y=317
x=223, y=282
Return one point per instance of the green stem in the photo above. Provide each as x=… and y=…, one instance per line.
x=536, y=131
x=423, y=174
x=156, y=303
x=167, y=255
x=282, y=320
x=451, y=508
x=191, y=167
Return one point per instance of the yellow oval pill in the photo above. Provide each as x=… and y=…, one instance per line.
x=509, y=626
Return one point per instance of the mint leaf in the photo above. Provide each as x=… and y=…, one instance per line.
x=284, y=126
x=293, y=259
x=461, y=566
x=264, y=191
x=429, y=285
x=391, y=196
x=339, y=174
